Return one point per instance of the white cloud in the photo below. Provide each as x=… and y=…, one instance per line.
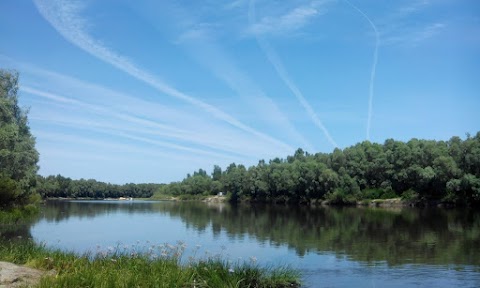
x=427, y=32
x=65, y=17
x=146, y=129
x=225, y=69
x=197, y=32
x=288, y=22
x=62, y=101
x=411, y=8
x=413, y=36
x=200, y=41
x=397, y=28
x=282, y=72
x=235, y=4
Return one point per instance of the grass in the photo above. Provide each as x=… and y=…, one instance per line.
x=160, y=266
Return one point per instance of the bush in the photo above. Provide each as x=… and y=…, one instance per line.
x=9, y=191
x=340, y=196
x=18, y=214
x=377, y=193
x=410, y=195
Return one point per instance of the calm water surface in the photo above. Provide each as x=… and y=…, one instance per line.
x=333, y=247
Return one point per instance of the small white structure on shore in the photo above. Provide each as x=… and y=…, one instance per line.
x=220, y=194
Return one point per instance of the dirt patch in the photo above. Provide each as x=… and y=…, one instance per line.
x=12, y=275
x=215, y=199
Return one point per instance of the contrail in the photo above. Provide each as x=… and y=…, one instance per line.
x=282, y=72
x=374, y=67
x=63, y=16
x=160, y=129
x=225, y=69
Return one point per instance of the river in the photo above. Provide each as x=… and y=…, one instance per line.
x=332, y=247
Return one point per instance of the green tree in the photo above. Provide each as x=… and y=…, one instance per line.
x=18, y=156
x=236, y=181
x=329, y=180
x=217, y=173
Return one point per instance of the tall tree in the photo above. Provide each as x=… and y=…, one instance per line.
x=18, y=156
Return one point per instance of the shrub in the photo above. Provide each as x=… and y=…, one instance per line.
x=410, y=195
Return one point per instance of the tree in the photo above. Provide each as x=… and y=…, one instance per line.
x=217, y=173
x=329, y=180
x=236, y=181
x=18, y=156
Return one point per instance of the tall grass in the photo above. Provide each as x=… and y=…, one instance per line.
x=159, y=266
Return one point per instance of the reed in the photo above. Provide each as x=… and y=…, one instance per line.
x=156, y=266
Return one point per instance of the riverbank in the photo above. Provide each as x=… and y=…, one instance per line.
x=161, y=197
x=188, y=197
x=397, y=202
x=159, y=267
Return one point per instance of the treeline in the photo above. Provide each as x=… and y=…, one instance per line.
x=59, y=186
x=418, y=170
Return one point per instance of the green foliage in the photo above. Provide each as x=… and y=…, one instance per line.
x=436, y=170
x=459, y=190
x=64, y=187
x=410, y=195
x=340, y=196
x=9, y=190
x=16, y=215
x=18, y=156
x=378, y=193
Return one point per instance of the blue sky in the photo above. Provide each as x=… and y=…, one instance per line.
x=147, y=91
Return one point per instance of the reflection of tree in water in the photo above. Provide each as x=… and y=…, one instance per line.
x=404, y=236
x=16, y=231
x=431, y=236
x=59, y=210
